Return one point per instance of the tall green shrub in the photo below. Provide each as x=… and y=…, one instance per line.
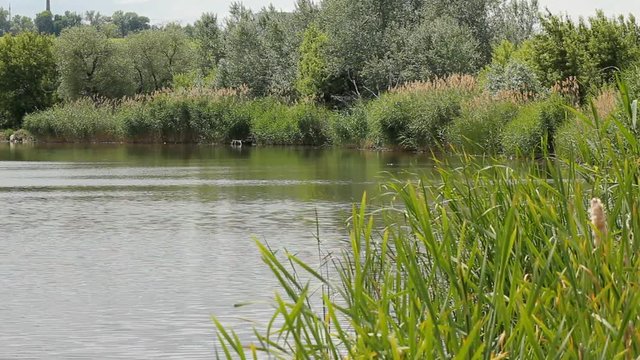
x=535, y=122
x=351, y=127
x=415, y=116
x=79, y=121
x=479, y=127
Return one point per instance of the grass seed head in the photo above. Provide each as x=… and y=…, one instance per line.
x=598, y=220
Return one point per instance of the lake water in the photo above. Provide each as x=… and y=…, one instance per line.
x=125, y=252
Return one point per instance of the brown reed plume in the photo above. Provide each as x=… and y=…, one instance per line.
x=466, y=83
x=598, y=220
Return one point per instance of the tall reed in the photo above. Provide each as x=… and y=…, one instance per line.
x=484, y=262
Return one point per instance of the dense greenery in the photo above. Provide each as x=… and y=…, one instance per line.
x=486, y=261
x=27, y=78
x=485, y=75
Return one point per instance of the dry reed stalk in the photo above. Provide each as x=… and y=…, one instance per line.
x=598, y=220
x=606, y=102
x=461, y=82
x=568, y=88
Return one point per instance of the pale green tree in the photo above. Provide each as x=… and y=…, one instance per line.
x=5, y=21
x=129, y=22
x=67, y=20
x=208, y=38
x=44, y=22
x=158, y=55
x=313, y=69
x=244, y=62
x=360, y=42
x=21, y=23
x=91, y=65
x=517, y=21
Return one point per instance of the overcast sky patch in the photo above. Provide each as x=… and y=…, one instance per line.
x=185, y=11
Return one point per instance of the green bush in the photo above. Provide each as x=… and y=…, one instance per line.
x=6, y=134
x=479, y=127
x=515, y=76
x=23, y=136
x=389, y=118
x=586, y=134
x=275, y=123
x=525, y=134
x=351, y=127
x=79, y=121
x=415, y=116
x=137, y=123
x=185, y=118
x=631, y=77
x=313, y=123
x=413, y=120
x=271, y=123
x=572, y=136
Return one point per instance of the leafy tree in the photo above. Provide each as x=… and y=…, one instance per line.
x=281, y=43
x=313, y=69
x=261, y=50
x=433, y=48
x=68, y=20
x=94, y=18
x=44, y=23
x=355, y=30
x=243, y=63
x=306, y=12
x=364, y=39
x=476, y=15
x=517, y=21
x=91, y=65
x=158, y=55
x=129, y=22
x=5, y=21
x=591, y=50
x=451, y=47
x=208, y=39
x=22, y=24
x=27, y=75
x=613, y=44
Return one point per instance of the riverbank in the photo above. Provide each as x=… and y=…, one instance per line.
x=451, y=114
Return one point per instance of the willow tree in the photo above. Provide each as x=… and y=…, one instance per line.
x=90, y=65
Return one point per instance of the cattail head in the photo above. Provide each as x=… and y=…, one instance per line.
x=598, y=220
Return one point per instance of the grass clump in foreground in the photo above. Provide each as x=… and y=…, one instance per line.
x=483, y=263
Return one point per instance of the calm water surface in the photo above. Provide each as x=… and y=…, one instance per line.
x=125, y=252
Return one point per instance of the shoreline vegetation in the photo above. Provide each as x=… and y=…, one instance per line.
x=420, y=116
x=482, y=262
x=434, y=76
x=450, y=114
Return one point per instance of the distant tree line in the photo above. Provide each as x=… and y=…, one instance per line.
x=120, y=24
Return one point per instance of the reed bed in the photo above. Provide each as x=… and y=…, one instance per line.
x=484, y=262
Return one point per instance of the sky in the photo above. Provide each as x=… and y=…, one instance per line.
x=185, y=11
